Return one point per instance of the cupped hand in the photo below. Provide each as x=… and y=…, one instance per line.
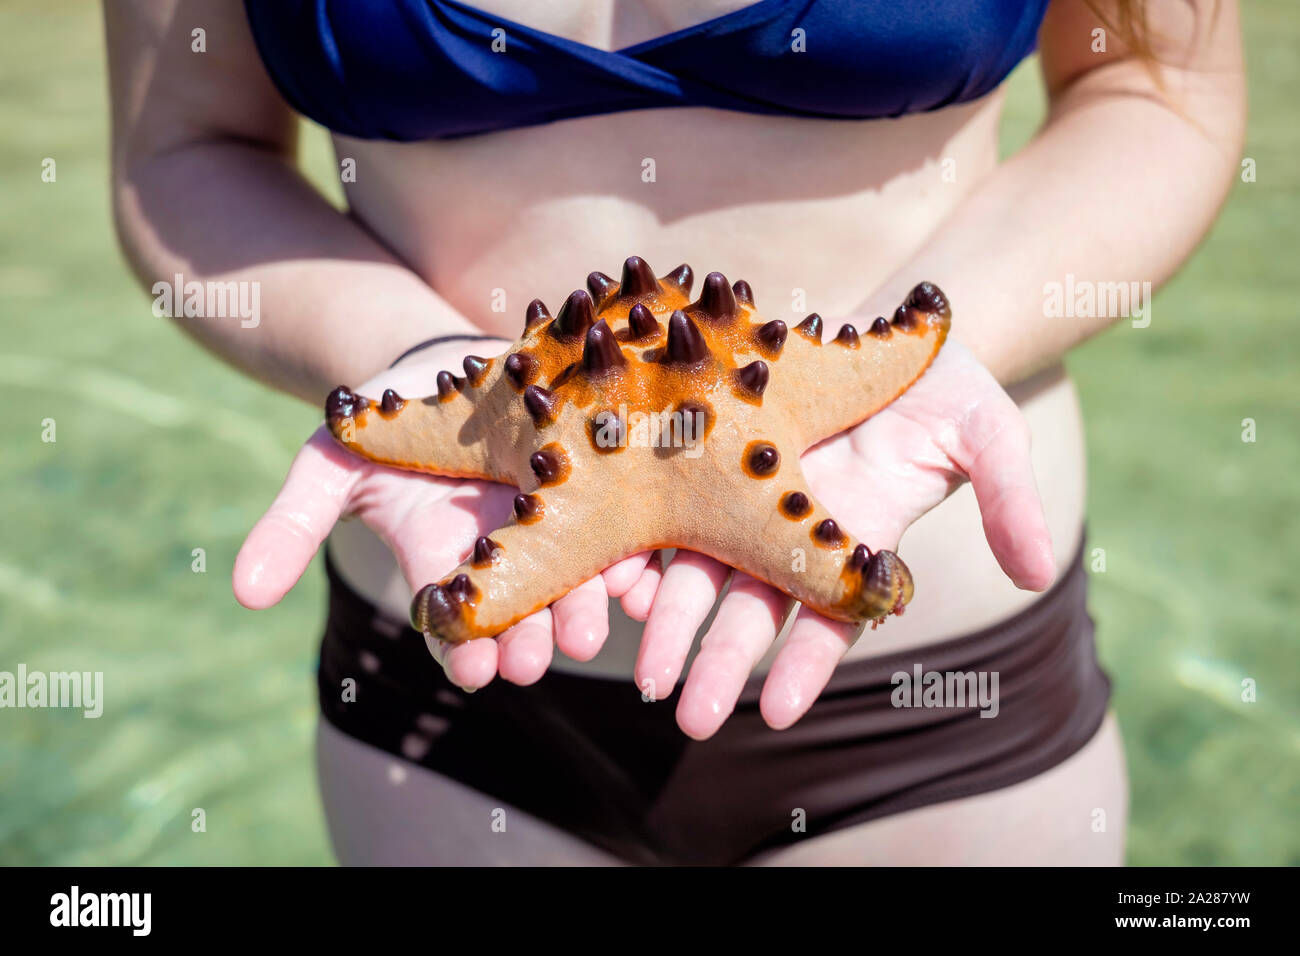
x=430, y=525
x=955, y=424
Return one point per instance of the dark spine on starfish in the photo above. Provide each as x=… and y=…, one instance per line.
x=828, y=534
x=686, y=346
x=928, y=297
x=576, y=316
x=449, y=385
x=761, y=459
x=771, y=337
x=542, y=404
x=717, y=302
x=847, y=336
x=880, y=328
x=391, y=403
x=528, y=508
x=811, y=328
x=858, y=560
x=535, y=314
x=550, y=464
x=462, y=587
x=600, y=286
x=485, y=551
x=521, y=369
x=344, y=403
x=904, y=318
x=683, y=277
x=795, y=505
x=752, y=379
x=637, y=280
x=475, y=368
x=744, y=294
x=641, y=323
x=601, y=354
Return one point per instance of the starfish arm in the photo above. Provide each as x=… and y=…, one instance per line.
x=450, y=433
x=551, y=546
x=781, y=534
x=830, y=387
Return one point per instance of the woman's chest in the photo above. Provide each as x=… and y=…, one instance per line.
x=610, y=24
x=411, y=70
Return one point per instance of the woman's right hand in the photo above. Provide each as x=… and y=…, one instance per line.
x=430, y=525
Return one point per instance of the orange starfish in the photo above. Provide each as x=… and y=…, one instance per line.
x=636, y=419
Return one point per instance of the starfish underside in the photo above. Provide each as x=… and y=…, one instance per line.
x=636, y=419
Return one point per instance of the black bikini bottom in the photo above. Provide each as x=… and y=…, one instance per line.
x=589, y=755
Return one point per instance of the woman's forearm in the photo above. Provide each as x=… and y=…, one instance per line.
x=332, y=305
x=1105, y=204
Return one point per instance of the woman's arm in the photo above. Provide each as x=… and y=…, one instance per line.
x=204, y=185
x=1119, y=185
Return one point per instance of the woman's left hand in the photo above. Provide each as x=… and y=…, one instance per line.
x=955, y=424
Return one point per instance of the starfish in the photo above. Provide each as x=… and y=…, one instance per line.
x=636, y=419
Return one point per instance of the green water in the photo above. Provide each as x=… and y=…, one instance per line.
x=212, y=707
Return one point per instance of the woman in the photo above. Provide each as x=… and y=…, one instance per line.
x=831, y=154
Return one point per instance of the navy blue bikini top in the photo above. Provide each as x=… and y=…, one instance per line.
x=429, y=69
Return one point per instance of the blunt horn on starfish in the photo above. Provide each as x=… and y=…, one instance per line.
x=717, y=300
x=576, y=316
x=641, y=323
x=601, y=354
x=637, y=279
x=682, y=277
x=599, y=286
x=686, y=344
x=734, y=398
x=535, y=314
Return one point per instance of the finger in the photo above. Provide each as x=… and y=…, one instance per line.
x=470, y=665
x=285, y=539
x=619, y=578
x=639, y=598
x=430, y=535
x=747, y=622
x=582, y=620
x=686, y=595
x=814, y=646
x=1002, y=475
x=525, y=650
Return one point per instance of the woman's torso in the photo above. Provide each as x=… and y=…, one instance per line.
x=824, y=208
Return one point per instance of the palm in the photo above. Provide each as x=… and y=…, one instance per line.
x=430, y=525
x=877, y=479
x=918, y=450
